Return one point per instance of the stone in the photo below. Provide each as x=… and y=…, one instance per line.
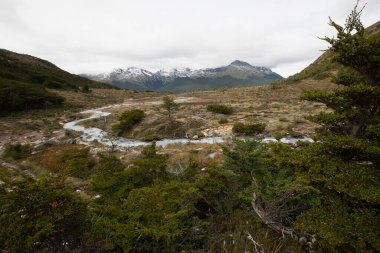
x=46, y=144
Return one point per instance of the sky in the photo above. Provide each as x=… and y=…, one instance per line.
x=94, y=36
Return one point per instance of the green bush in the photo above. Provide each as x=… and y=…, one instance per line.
x=218, y=108
x=150, y=137
x=18, y=97
x=16, y=151
x=85, y=89
x=223, y=121
x=78, y=162
x=127, y=121
x=277, y=136
x=347, y=77
x=42, y=216
x=252, y=129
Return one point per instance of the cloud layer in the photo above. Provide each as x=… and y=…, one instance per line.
x=91, y=36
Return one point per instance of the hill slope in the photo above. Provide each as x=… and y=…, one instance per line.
x=24, y=79
x=324, y=67
x=26, y=69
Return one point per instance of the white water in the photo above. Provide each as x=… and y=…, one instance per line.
x=91, y=133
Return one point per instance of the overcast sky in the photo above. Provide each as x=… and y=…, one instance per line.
x=92, y=36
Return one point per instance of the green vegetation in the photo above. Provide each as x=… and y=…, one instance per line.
x=328, y=192
x=221, y=109
x=16, y=151
x=85, y=89
x=322, y=68
x=66, y=160
x=146, y=209
x=141, y=208
x=127, y=121
x=223, y=121
x=326, y=67
x=77, y=162
x=344, y=166
x=317, y=197
x=251, y=129
x=30, y=70
x=24, y=80
x=41, y=215
x=169, y=105
x=22, y=97
x=203, y=83
x=150, y=137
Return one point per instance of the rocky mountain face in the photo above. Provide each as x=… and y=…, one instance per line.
x=237, y=73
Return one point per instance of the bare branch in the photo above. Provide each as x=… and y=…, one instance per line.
x=259, y=248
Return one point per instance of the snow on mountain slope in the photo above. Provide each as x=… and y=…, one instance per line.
x=136, y=78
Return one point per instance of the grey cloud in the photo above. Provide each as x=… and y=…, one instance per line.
x=95, y=35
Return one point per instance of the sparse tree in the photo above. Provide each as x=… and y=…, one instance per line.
x=169, y=105
x=111, y=138
x=86, y=89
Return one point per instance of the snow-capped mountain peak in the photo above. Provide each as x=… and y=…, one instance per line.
x=175, y=72
x=137, y=78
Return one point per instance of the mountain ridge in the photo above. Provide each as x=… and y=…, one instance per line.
x=235, y=74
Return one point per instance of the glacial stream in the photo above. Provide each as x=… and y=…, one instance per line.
x=95, y=134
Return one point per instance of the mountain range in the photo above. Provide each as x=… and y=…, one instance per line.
x=238, y=73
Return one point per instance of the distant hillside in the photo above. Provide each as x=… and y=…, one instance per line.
x=324, y=67
x=26, y=69
x=207, y=83
x=24, y=79
x=237, y=73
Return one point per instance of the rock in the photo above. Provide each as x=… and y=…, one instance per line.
x=195, y=137
x=46, y=144
x=302, y=240
x=211, y=133
x=70, y=141
x=212, y=155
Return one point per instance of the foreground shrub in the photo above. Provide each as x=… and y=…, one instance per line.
x=69, y=160
x=16, y=151
x=221, y=109
x=252, y=129
x=79, y=163
x=127, y=121
x=41, y=216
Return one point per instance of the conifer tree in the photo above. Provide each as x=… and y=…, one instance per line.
x=345, y=165
x=327, y=193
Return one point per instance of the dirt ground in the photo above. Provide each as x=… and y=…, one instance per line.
x=276, y=105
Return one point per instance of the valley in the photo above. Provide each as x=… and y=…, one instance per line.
x=277, y=106
x=229, y=159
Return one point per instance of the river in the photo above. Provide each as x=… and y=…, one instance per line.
x=90, y=134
